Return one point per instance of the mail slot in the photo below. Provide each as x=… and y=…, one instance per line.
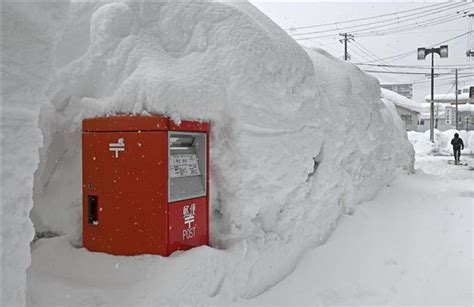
x=145, y=184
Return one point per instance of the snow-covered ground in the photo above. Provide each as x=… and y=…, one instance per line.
x=412, y=244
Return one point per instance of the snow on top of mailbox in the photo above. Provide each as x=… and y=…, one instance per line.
x=298, y=137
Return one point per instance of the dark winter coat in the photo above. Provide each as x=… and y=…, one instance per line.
x=457, y=143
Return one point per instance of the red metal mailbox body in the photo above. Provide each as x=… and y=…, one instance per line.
x=145, y=185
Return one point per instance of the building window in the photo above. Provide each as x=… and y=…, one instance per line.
x=422, y=121
x=407, y=119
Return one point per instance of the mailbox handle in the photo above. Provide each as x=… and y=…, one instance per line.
x=92, y=209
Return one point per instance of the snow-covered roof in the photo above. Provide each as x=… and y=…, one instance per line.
x=439, y=107
x=464, y=107
x=401, y=101
x=427, y=115
x=448, y=97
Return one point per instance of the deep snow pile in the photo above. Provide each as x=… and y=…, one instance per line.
x=29, y=33
x=298, y=138
x=442, y=143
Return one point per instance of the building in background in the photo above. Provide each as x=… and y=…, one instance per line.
x=440, y=118
x=465, y=95
x=409, y=110
x=465, y=116
x=404, y=89
x=445, y=111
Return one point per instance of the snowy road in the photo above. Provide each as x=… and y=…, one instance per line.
x=412, y=244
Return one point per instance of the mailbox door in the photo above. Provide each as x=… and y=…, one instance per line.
x=125, y=192
x=188, y=220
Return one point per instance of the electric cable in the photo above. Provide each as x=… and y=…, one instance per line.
x=398, y=20
x=361, y=19
x=426, y=23
x=400, y=72
x=368, y=52
x=370, y=57
x=450, y=67
x=403, y=55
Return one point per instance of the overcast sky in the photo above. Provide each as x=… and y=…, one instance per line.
x=298, y=14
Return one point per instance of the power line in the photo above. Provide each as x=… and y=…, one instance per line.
x=409, y=73
x=431, y=23
x=398, y=20
x=400, y=72
x=358, y=54
x=441, y=80
x=444, y=78
x=454, y=84
x=450, y=67
x=368, y=33
x=361, y=19
x=368, y=52
x=370, y=55
x=364, y=57
x=426, y=23
x=403, y=55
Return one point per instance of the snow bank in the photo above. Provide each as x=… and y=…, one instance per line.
x=401, y=101
x=442, y=144
x=298, y=138
x=29, y=34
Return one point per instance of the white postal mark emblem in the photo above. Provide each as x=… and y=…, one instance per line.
x=116, y=147
x=189, y=212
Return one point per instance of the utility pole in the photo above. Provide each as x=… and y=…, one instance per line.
x=347, y=37
x=432, y=121
x=470, y=50
x=457, y=125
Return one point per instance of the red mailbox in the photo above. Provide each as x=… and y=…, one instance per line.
x=145, y=185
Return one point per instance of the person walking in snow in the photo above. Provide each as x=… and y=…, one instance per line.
x=458, y=145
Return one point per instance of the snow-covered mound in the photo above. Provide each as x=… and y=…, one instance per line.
x=442, y=144
x=298, y=138
x=29, y=33
x=401, y=101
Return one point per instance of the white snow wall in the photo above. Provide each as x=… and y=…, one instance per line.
x=29, y=33
x=275, y=109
